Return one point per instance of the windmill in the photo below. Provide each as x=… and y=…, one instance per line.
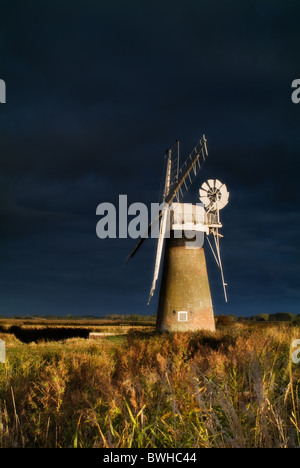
x=185, y=299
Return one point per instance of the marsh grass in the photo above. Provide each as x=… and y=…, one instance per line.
x=234, y=388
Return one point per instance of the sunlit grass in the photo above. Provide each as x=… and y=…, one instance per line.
x=235, y=388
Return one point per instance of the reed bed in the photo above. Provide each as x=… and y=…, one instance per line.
x=235, y=388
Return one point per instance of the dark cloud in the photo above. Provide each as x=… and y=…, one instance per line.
x=96, y=91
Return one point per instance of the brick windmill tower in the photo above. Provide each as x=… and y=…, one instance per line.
x=185, y=302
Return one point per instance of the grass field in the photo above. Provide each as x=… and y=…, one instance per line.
x=235, y=388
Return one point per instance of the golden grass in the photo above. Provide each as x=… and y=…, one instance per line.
x=235, y=388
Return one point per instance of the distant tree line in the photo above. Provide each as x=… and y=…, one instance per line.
x=131, y=317
x=221, y=319
x=110, y=317
x=278, y=317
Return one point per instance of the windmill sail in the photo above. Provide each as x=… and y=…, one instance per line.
x=143, y=238
x=162, y=233
x=177, y=183
x=185, y=176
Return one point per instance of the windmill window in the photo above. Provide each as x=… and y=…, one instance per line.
x=182, y=316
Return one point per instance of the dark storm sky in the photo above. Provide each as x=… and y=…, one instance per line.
x=96, y=92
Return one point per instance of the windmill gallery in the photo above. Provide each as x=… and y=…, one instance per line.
x=185, y=300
